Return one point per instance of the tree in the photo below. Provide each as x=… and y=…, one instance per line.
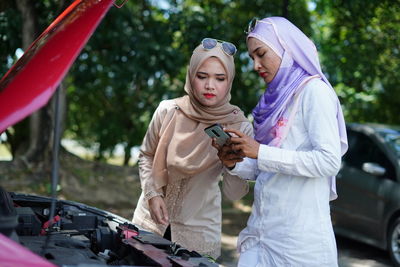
x=360, y=45
x=227, y=20
x=124, y=71
x=30, y=141
x=138, y=56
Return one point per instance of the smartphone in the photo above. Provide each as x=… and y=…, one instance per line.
x=216, y=131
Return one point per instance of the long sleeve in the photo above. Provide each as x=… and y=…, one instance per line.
x=233, y=186
x=148, y=149
x=320, y=122
x=246, y=170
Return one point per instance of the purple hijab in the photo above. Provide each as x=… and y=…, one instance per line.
x=299, y=61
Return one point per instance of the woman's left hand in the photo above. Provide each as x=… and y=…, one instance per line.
x=247, y=146
x=227, y=156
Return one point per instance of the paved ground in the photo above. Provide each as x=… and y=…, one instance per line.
x=356, y=254
x=351, y=253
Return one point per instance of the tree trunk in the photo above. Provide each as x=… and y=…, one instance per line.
x=41, y=123
x=285, y=8
x=127, y=154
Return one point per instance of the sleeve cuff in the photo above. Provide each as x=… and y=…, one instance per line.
x=152, y=194
x=231, y=170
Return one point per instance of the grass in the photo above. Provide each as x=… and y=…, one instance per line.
x=89, y=154
x=4, y=153
x=80, y=151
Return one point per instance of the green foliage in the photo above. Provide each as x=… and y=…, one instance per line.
x=227, y=20
x=138, y=56
x=10, y=37
x=11, y=26
x=360, y=42
x=127, y=67
x=10, y=43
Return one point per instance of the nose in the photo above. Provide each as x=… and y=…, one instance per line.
x=256, y=65
x=209, y=84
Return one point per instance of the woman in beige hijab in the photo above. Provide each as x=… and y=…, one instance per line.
x=179, y=169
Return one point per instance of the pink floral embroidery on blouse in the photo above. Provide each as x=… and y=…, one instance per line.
x=279, y=127
x=278, y=131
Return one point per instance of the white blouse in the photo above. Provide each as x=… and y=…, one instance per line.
x=290, y=218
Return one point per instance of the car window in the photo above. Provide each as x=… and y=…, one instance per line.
x=362, y=149
x=392, y=138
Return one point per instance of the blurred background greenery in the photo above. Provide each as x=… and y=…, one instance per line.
x=139, y=54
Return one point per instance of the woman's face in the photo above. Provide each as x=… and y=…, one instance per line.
x=210, y=83
x=266, y=61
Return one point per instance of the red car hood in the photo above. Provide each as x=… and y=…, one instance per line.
x=13, y=254
x=30, y=83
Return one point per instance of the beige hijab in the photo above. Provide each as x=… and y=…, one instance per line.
x=184, y=149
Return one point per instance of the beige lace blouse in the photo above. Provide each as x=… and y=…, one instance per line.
x=193, y=203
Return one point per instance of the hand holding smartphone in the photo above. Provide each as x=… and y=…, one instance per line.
x=216, y=131
x=228, y=157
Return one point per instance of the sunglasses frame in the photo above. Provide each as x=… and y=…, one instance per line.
x=252, y=24
x=222, y=42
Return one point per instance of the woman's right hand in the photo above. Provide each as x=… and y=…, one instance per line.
x=158, y=210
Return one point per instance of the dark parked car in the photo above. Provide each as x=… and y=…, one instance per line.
x=368, y=184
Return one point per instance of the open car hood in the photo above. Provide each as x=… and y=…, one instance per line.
x=32, y=80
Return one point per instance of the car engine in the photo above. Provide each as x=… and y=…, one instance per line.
x=81, y=235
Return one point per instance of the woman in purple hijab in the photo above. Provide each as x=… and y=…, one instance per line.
x=299, y=139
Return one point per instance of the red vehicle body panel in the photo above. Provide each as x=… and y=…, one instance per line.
x=30, y=83
x=13, y=254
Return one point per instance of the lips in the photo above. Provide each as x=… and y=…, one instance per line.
x=208, y=96
x=262, y=74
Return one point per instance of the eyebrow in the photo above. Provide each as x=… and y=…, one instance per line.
x=206, y=73
x=255, y=50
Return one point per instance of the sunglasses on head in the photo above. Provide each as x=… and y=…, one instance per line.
x=252, y=24
x=210, y=43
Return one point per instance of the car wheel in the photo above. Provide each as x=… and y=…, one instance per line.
x=394, y=242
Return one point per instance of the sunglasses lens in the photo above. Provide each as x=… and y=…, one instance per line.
x=229, y=48
x=252, y=25
x=209, y=43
